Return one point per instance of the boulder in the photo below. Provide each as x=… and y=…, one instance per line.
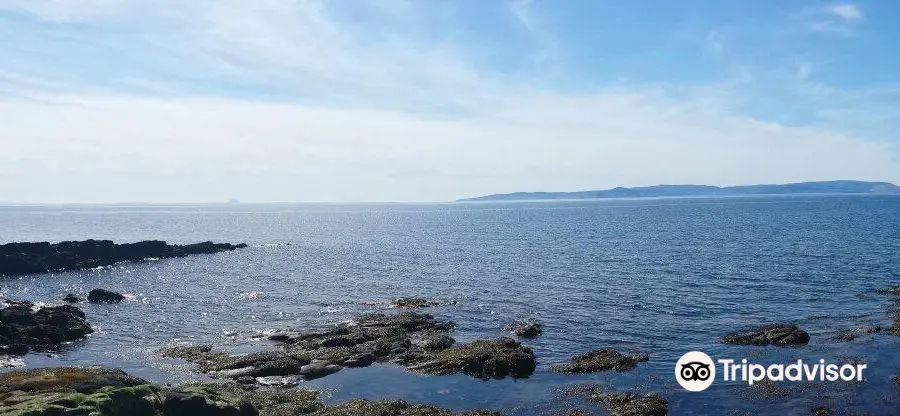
x=526, y=329
x=601, y=360
x=23, y=328
x=774, y=334
x=104, y=296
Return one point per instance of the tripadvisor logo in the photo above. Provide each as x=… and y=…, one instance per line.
x=696, y=371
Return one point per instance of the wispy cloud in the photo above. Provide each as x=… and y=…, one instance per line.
x=287, y=100
x=846, y=11
x=838, y=19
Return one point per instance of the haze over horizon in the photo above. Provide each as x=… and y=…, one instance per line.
x=284, y=100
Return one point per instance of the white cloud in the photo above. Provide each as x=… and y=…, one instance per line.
x=846, y=11
x=121, y=148
x=384, y=113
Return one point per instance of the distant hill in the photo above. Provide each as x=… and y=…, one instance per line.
x=827, y=187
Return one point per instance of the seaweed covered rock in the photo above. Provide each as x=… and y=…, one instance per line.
x=484, y=359
x=26, y=258
x=194, y=400
x=77, y=391
x=528, y=328
x=24, y=327
x=622, y=404
x=601, y=360
x=774, y=334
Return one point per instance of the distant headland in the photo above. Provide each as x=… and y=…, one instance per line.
x=657, y=191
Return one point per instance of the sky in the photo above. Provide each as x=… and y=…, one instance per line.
x=433, y=100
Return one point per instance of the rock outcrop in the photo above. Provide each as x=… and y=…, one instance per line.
x=600, y=360
x=774, y=334
x=416, y=341
x=27, y=258
x=528, y=328
x=104, y=296
x=24, y=327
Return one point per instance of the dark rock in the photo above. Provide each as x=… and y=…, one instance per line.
x=280, y=338
x=72, y=298
x=484, y=359
x=104, y=296
x=412, y=303
x=27, y=258
x=22, y=328
x=525, y=329
x=851, y=334
x=601, y=360
x=775, y=334
x=821, y=411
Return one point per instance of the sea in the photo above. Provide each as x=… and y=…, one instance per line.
x=656, y=276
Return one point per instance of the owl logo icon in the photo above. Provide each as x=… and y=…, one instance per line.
x=695, y=371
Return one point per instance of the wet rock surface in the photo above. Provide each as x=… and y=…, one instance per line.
x=416, y=341
x=27, y=258
x=622, y=404
x=774, y=334
x=104, y=296
x=24, y=327
x=528, y=328
x=600, y=360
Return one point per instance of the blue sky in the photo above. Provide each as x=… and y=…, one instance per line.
x=393, y=100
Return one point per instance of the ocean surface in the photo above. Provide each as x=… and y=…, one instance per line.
x=661, y=276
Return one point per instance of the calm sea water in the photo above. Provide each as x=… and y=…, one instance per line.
x=663, y=276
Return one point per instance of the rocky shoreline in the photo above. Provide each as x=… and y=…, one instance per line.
x=18, y=259
x=265, y=383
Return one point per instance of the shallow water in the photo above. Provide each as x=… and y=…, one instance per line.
x=663, y=276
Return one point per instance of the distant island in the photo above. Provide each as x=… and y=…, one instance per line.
x=657, y=191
